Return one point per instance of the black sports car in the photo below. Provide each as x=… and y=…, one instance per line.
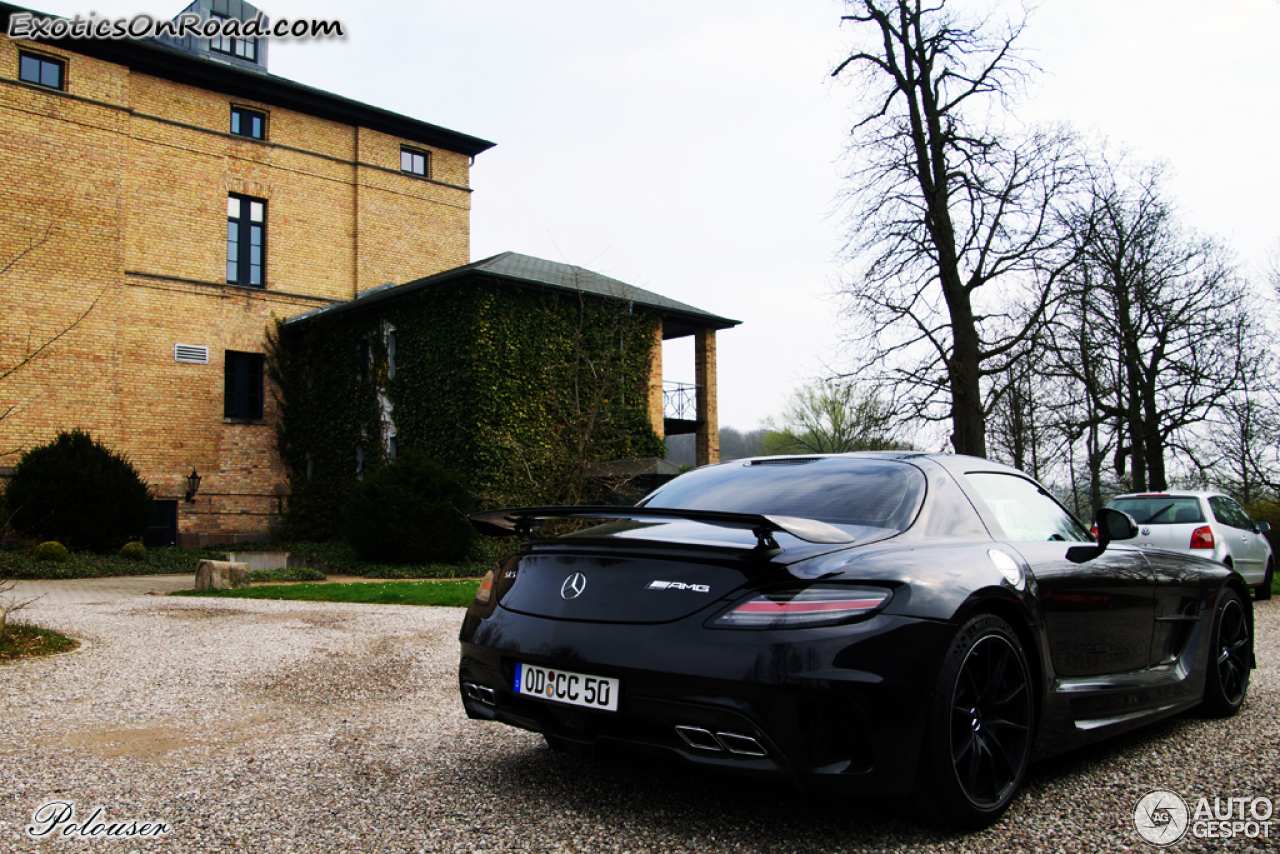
x=889, y=623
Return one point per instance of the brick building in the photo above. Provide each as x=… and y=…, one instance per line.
x=163, y=202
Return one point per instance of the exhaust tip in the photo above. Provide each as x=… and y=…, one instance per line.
x=743, y=745
x=480, y=693
x=697, y=737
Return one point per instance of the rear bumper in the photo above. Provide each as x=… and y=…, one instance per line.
x=836, y=709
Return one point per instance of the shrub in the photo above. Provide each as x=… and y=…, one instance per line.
x=292, y=573
x=411, y=511
x=78, y=491
x=51, y=552
x=133, y=551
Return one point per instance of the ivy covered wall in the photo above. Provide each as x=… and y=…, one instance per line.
x=517, y=390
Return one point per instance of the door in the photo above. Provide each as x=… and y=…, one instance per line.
x=1100, y=611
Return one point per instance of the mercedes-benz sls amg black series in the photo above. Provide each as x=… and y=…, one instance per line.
x=890, y=623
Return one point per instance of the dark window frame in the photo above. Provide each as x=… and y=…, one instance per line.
x=249, y=114
x=409, y=166
x=42, y=61
x=234, y=44
x=243, y=392
x=240, y=250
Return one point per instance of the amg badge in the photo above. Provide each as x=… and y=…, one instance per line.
x=678, y=585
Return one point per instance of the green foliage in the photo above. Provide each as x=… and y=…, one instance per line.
x=78, y=491
x=522, y=390
x=133, y=551
x=88, y=564
x=292, y=573
x=50, y=552
x=19, y=640
x=411, y=511
x=1265, y=511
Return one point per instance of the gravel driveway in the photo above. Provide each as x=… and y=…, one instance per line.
x=280, y=726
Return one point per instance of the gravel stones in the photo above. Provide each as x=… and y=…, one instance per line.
x=309, y=727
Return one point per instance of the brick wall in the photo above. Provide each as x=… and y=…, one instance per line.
x=116, y=191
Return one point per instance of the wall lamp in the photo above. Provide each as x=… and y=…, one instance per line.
x=193, y=484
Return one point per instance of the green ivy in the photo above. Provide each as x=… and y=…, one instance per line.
x=515, y=390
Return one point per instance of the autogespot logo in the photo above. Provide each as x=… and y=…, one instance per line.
x=1161, y=817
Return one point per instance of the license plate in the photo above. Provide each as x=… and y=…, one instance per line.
x=562, y=686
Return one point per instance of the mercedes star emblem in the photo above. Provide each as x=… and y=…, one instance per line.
x=573, y=586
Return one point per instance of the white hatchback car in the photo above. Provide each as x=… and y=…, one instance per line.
x=1205, y=524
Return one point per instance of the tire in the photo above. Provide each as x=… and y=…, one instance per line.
x=1263, y=591
x=1230, y=657
x=979, y=727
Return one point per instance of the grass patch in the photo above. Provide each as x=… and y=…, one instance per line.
x=452, y=593
x=20, y=640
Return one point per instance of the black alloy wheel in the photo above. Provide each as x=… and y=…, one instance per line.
x=1227, y=681
x=979, y=740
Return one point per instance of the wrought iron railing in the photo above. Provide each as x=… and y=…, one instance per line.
x=680, y=401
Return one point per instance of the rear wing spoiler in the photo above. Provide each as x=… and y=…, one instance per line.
x=521, y=521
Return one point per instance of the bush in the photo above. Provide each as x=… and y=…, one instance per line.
x=79, y=492
x=51, y=552
x=292, y=573
x=412, y=511
x=133, y=551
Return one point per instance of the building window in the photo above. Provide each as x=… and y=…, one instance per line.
x=234, y=45
x=363, y=356
x=246, y=240
x=242, y=396
x=41, y=70
x=391, y=355
x=359, y=462
x=250, y=123
x=415, y=162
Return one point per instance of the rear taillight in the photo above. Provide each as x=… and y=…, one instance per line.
x=485, y=593
x=1093, y=532
x=801, y=608
x=1202, y=538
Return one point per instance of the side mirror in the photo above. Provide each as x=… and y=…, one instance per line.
x=1115, y=525
x=1262, y=527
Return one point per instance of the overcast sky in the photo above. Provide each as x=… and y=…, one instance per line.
x=692, y=147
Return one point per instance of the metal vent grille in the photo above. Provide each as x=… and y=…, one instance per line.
x=191, y=353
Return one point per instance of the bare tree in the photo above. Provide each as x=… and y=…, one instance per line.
x=832, y=417
x=955, y=217
x=1155, y=326
x=31, y=351
x=11, y=602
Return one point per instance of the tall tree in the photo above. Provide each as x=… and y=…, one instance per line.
x=1158, y=322
x=954, y=216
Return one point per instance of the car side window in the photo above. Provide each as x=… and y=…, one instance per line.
x=1025, y=511
x=1228, y=512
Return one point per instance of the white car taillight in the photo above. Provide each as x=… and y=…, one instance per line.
x=1202, y=538
x=811, y=606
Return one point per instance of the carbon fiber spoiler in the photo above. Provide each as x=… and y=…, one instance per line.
x=522, y=520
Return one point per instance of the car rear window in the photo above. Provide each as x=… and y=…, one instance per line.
x=1161, y=509
x=865, y=492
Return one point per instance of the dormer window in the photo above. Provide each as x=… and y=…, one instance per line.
x=415, y=162
x=236, y=46
x=250, y=123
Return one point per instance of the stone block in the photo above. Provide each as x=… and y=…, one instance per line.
x=221, y=575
